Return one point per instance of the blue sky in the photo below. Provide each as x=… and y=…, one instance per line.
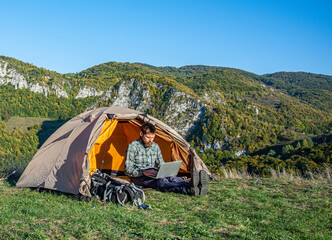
x=256, y=36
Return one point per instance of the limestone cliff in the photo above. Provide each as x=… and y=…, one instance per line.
x=176, y=108
x=11, y=76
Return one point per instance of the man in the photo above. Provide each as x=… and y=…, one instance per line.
x=143, y=154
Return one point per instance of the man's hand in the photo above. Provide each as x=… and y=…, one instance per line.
x=150, y=173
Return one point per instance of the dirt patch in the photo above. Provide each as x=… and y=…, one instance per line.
x=9, y=228
x=59, y=221
x=165, y=222
x=199, y=209
x=220, y=230
x=267, y=100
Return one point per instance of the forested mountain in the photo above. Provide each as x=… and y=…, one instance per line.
x=304, y=79
x=313, y=89
x=185, y=70
x=223, y=110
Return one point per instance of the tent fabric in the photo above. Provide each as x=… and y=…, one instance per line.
x=98, y=139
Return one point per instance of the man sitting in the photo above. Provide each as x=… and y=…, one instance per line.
x=143, y=154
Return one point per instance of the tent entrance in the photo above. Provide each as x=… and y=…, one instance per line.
x=109, y=150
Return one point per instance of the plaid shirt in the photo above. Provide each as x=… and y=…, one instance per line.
x=139, y=157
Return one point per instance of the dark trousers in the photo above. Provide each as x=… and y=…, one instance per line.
x=169, y=184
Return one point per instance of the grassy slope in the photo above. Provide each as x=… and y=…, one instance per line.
x=273, y=209
x=23, y=122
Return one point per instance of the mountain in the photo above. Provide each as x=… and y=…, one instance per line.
x=313, y=89
x=213, y=107
x=185, y=70
x=304, y=80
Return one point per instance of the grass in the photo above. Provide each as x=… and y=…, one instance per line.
x=234, y=208
x=229, y=173
x=23, y=122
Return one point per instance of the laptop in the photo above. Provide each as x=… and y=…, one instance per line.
x=168, y=169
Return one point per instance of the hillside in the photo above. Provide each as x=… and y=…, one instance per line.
x=304, y=79
x=219, y=109
x=185, y=70
x=312, y=89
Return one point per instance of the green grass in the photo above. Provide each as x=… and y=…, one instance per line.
x=236, y=209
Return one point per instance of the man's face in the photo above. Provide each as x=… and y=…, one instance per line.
x=147, y=138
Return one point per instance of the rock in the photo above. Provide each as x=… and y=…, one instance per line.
x=183, y=111
x=129, y=93
x=214, y=97
x=11, y=76
x=59, y=92
x=240, y=153
x=88, y=92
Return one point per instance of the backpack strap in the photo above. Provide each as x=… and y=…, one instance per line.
x=108, y=191
x=120, y=195
x=137, y=196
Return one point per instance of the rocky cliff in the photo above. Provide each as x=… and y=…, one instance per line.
x=10, y=75
x=43, y=84
x=179, y=109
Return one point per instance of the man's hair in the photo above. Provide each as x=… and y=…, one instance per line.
x=148, y=127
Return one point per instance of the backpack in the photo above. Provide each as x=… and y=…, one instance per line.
x=106, y=188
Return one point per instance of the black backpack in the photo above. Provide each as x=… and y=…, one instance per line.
x=106, y=188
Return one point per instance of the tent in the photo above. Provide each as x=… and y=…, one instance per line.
x=98, y=139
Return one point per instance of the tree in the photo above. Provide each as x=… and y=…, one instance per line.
x=287, y=149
